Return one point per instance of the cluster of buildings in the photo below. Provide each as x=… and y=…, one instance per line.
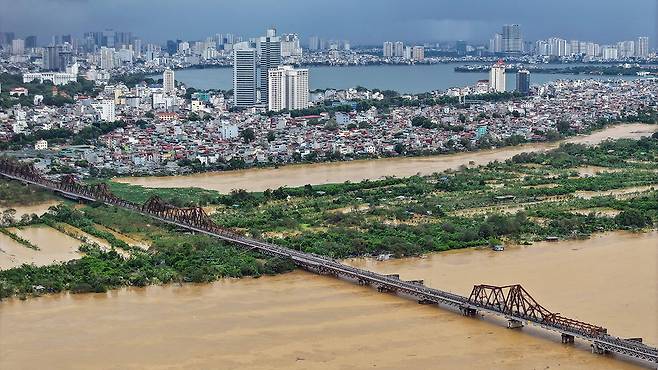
x=261, y=80
x=510, y=42
x=167, y=141
x=399, y=50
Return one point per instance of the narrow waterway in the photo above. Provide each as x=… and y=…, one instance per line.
x=355, y=171
x=304, y=321
x=53, y=245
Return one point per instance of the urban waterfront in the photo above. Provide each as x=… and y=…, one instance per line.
x=412, y=79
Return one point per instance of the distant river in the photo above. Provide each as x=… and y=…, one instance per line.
x=406, y=79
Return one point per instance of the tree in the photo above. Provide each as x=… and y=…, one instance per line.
x=331, y=125
x=399, y=148
x=563, y=127
x=248, y=135
x=271, y=136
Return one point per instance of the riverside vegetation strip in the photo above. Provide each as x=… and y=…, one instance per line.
x=527, y=198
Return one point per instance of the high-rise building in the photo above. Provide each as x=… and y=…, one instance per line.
x=168, y=82
x=270, y=57
x=523, y=81
x=626, y=49
x=388, y=49
x=137, y=48
x=496, y=44
x=290, y=46
x=642, y=50
x=107, y=58
x=51, y=58
x=497, y=77
x=30, y=42
x=512, y=40
x=398, y=49
x=244, y=75
x=314, y=43
x=17, y=46
x=288, y=88
x=418, y=53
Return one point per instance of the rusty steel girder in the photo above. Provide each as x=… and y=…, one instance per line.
x=194, y=216
x=515, y=301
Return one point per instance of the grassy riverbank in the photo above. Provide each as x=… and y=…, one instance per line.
x=571, y=192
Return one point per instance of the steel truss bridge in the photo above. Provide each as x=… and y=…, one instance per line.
x=511, y=302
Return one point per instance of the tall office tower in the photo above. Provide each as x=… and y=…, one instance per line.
x=137, y=48
x=122, y=38
x=398, y=49
x=512, y=40
x=461, y=47
x=17, y=47
x=168, y=82
x=418, y=53
x=496, y=44
x=314, y=43
x=107, y=58
x=65, y=59
x=108, y=38
x=244, y=75
x=6, y=38
x=288, y=88
x=30, y=42
x=290, y=46
x=642, y=49
x=497, y=77
x=51, y=58
x=67, y=39
x=388, y=49
x=270, y=57
x=523, y=81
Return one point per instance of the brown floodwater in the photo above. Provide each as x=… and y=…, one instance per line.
x=304, y=321
x=337, y=172
x=37, y=208
x=54, y=247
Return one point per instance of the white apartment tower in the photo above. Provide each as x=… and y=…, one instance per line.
x=642, y=49
x=497, y=77
x=388, y=49
x=398, y=50
x=244, y=75
x=288, y=88
x=168, y=82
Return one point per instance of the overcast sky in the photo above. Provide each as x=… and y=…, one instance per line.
x=361, y=21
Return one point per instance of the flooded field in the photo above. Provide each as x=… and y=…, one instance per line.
x=54, y=247
x=322, y=173
x=304, y=321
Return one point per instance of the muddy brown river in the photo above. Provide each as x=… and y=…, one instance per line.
x=304, y=321
x=337, y=172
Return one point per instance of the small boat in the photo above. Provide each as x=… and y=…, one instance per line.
x=498, y=248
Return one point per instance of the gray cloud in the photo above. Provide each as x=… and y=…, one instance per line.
x=362, y=21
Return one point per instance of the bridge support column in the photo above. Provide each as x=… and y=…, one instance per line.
x=362, y=282
x=425, y=301
x=598, y=350
x=567, y=338
x=384, y=289
x=514, y=324
x=468, y=311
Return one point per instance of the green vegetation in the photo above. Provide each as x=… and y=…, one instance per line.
x=173, y=257
x=64, y=96
x=570, y=192
x=14, y=193
x=18, y=239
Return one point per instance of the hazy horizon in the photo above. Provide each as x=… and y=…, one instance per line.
x=366, y=22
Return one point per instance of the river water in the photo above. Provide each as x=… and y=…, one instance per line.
x=304, y=321
x=337, y=172
x=405, y=79
x=53, y=245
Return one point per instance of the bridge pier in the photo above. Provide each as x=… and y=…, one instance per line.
x=362, y=282
x=598, y=350
x=468, y=311
x=567, y=339
x=514, y=324
x=425, y=301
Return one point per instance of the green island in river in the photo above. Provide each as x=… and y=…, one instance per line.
x=573, y=191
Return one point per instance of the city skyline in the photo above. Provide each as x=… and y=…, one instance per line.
x=439, y=21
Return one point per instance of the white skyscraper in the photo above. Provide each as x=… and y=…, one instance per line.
x=388, y=49
x=244, y=75
x=398, y=50
x=497, y=77
x=18, y=46
x=107, y=58
x=642, y=49
x=168, y=82
x=496, y=44
x=290, y=46
x=288, y=88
